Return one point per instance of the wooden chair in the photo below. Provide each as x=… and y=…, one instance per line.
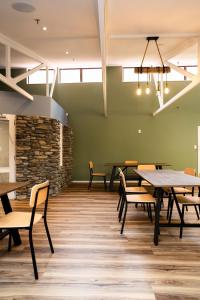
x=26, y=220
x=128, y=190
x=145, y=168
x=180, y=191
x=147, y=199
x=97, y=175
x=185, y=201
x=129, y=173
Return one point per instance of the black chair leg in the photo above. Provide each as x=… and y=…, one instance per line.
x=171, y=209
x=197, y=213
x=48, y=235
x=90, y=183
x=124, y=217
x=182, y=221
x=121, y=208
x=105, y=185
x=33, y=254
x=9, y=242
x=119, y=202
x=150, y=213
x=169, y=205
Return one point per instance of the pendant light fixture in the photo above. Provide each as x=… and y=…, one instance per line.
x=160, y=70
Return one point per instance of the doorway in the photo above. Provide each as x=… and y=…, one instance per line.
x=7, y=149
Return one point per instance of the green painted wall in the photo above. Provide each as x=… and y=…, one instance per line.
x=168, y=137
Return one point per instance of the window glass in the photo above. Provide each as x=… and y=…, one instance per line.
x=39, y=77
x=130, y=76
x=92, y=75
x=70, y=76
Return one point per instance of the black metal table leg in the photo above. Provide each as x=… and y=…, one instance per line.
x=7, y=208
x=112, y=178
x=159, y=196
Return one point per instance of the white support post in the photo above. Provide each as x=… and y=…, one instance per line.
x=47, y=81
x=102, y=11
x=159, y=95
x=8, y=61
x=198, y=55
x=28, y=73
x=180, y=70
x=195, y=78
x=179, y=95
x=11, y=83
x=54, y=82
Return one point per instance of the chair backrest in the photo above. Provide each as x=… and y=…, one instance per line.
x=130, y=162
x=190, y=171
x=122, y=179
x=147, y=167
x=39, y=194
x=91, y=166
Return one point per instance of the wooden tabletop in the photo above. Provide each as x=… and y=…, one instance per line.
x=168, y=178
x=8, y=187
x=123, y=164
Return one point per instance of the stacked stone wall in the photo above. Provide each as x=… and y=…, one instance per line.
x=38, y=153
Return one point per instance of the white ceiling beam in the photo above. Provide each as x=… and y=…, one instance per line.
x=179, y=70
x=11, y=83
x=198, y=55
x=195, y=78
x=22, y=49
x=54, y=82
x=102, y=12
x=28, y=73
x=184, y=91
x=161, y=35
x=8, y=61
x=180, y=48
x=160, y=96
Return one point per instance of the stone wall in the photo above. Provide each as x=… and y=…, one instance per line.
x=38, y=153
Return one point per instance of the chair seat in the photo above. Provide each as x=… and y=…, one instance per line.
x=18, y=219
x=188, y=200
x=178, y=190
x=141, y=198
x=136, y=189
x=99, y=174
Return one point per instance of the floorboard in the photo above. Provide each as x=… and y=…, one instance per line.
x=92, y=261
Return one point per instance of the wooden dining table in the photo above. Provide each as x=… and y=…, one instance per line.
x=6, y=188
x=160, y=179
x=115, y=165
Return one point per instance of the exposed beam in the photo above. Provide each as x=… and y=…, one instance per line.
x=22, y=49
x=11, y=82
x=159, y=95
x=161, y=35
x=28, y=73
x=7, y=61
x=180, y=48
x=102, y=11
x=54, y=82
x=47, y=81
x=180, y=70
x=190, y=86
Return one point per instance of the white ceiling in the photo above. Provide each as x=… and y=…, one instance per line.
x=73, y=26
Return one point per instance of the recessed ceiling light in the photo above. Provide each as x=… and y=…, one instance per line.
x=44, y=28
x=66, y=52
x=23, y=7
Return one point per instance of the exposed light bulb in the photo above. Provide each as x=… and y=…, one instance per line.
x=166, y=90
x=139, y=91
x=147, y=90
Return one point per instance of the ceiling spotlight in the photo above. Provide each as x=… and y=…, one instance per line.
x=44, y=28
x=66, y=52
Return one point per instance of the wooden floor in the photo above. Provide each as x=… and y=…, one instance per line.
x=92, y=261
